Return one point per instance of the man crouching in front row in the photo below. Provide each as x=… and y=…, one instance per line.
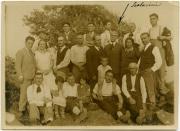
x=108, y=96
x=39, y=100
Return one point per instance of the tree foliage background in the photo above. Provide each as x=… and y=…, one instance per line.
x=52, y=17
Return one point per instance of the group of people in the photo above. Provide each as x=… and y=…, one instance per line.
x=123, y=77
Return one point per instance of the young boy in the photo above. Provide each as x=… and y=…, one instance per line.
x=73, y=105
x=59, y=100
x=84, y=92
x=103, y=68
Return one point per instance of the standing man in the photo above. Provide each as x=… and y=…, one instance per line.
x=113, y=52
x=89, y=36
x=69, y=36
x=93, y=57
x=78, y=58
x=105, y=36
x=25, y=67
x=156, y=37
x=150, y=61
x=62, y=58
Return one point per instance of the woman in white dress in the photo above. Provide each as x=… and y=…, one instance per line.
x=44, y=62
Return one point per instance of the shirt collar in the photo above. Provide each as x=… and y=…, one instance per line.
x=67, y=33
x=97, y=48
x=145, y=48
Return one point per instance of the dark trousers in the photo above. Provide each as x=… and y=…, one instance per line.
x=109, y=105
x=117, y=76
x=133, y=108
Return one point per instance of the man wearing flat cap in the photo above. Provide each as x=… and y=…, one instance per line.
x=134, y=90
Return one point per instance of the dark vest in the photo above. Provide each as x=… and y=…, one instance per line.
x=147, y=58
x=61, y=55
x=135, y=94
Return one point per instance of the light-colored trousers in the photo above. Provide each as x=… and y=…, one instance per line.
x=150, y=82
x=23, y=94
x=35, y=111
x=161, y=73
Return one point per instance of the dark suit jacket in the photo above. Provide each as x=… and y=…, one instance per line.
x=93, y=60
x=71, y=38
x=114, y=55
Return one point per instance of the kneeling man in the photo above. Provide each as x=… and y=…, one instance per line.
x=39, y=100
x=133, y=87
x=108, y=95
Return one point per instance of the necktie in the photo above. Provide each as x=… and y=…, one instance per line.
x=38, y=89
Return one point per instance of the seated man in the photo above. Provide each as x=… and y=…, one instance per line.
x=39, y=100
x=133, y=87
x=105, y=95
x=73, y=103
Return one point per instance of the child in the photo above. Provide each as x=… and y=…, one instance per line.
x=59, y=100
x=73, y=105
x=102, y=69
x=84, y=91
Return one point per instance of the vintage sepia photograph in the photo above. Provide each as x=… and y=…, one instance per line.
x=90, y=64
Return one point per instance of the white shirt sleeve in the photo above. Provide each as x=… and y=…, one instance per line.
x=102, y=40
x=143, y=90
x=158, y=59
x=30, y=97
x=72, y=55
x=95, y=90
x=124, y=87
x=118, y=91
x=65, y=61
x=47, y=93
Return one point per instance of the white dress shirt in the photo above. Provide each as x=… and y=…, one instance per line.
x=39, y=98
x=155, y=31
x=65, y=62
x=157, y=57
x=142, y=87
x=107, y=89
x=105, y=38
x=78, y=54
x=69, y=90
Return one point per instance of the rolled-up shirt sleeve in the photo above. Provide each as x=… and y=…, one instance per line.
x=124, y=87
x=65, y=61
x=143, y=90
x=95, y=90
x=158, y=59
x=118, y=91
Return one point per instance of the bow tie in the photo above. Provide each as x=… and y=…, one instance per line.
x=38, y=89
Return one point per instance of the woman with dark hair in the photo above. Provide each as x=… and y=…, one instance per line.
x=44, y=63
x=130, y=53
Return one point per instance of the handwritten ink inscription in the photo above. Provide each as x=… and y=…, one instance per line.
x=138, y=4
x=143, y=4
